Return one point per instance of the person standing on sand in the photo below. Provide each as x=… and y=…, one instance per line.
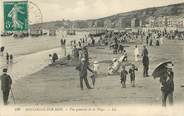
x=157, y=42
x=79, y=44
x=82, y=68
x=92, y=41
x=151, y=42
x=132, y=74
x=144, y=51
x=6, y=83
x=50, y=59
x=147, y=40
x=2, y=50
x=167, y=85
x=145, y=62
x=96, y=69
x=63, y=46
x=136, y=53
x=161, y=40
x=123, y=75
x=11, y=59
x=7, y=58
x=75, y=53
x=85, y=54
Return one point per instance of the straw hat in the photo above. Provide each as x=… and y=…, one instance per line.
x=169, y=65
x=95, y=62
x=83, y=59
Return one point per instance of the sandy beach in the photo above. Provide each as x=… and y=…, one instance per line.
x=59, y=85
x=30, y=45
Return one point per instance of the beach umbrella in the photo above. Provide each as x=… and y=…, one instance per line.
x=160, y=69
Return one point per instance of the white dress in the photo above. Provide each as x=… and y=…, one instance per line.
x=50, y=60
x=136, y=53
x=96, y=68
x=161, y=40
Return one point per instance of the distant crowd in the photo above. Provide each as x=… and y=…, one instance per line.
x=117, y=42
x=9, y=57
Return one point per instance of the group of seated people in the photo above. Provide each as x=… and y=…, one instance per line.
x=53, y=58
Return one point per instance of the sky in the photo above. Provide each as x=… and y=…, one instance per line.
x=53, y=10
x=92, y=9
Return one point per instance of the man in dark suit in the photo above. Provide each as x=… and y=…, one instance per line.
x=83, y=67
x=167, y=81
x=6, y=83
x=144, y=51
x=85, y=54
x=145, y=62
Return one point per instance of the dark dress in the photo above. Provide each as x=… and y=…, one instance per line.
x=167, y=84
x=157, y=43
x=54, y=57
x=6, y=82
x=123, y=75
x=132, y=73
x=145, y=62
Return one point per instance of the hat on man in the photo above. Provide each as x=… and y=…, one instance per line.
x=5, y=70
x=95, y=62
x=83, y=59
x=133, y=65
x=169, y=65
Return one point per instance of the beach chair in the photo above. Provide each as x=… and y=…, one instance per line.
x=114, y=67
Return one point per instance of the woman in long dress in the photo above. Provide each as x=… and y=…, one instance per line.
x=136, y=53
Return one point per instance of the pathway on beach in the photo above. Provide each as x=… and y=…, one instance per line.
x=31, y=54
x=28, y=64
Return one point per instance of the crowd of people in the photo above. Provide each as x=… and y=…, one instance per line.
x=118, y=42
x=117, y=63
x=8, y=56
x=5, y=78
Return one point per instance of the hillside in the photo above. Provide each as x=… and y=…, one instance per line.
x=143, y=14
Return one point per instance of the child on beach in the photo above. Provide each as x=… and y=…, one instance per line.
x=126, y=55
x=50, y=59
x=136, y=53
x=11, y=59
x=123, y=75
x=95, y=69
x=7, y=58
x=132, y=74
x=55, y=57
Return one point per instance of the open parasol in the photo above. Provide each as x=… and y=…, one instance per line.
x=160, y=69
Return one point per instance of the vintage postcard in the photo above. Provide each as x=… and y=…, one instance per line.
x=92, y=57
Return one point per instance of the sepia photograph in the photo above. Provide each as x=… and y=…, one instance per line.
x=87, y=57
